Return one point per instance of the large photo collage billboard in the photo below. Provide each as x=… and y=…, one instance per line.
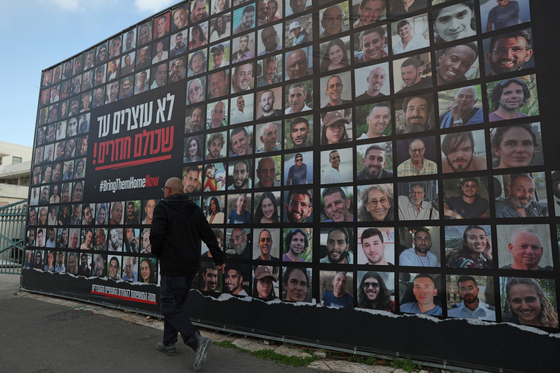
x=378, y=154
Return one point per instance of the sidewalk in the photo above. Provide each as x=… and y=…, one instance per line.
x=45, y=334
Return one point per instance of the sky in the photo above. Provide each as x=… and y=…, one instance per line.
x=44, y=33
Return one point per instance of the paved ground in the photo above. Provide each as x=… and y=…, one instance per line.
x=41, y=334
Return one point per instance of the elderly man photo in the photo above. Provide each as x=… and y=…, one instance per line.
x=461, y=111
x=332, y=21
x=266, y=173
x=296, y=96
x=414, y=207
x=416, y=165
x=334, y=89
x=521, y=201
x=297, y=64
x=417, y=112
x=268, y=136
x=525, y=247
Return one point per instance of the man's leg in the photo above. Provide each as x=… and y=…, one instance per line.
x=173, y=295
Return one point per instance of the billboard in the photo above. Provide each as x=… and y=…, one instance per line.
x=370, y=160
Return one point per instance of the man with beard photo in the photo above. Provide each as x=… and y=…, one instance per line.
x=458, y=149
x=509, y=52
x=521, y=203
x=209, y=276
x=420, y=255
x=471, y=307
x=299, y=206
x=267, y=105
x=336, y=205
x=241, y=178
x=374, y=164
x=296, y=242
x=238, y=246
x=338, y=247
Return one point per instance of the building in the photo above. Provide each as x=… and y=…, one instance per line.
x=15, y=166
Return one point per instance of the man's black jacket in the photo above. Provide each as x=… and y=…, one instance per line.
x=178, y=226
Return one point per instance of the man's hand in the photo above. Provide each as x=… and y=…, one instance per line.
x=222, y=267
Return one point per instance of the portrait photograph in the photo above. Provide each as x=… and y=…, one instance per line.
x=471, y=297
x=298, y=31
x=297, y=282
x=417, y=153
x=209, y=278
x=454, y=22
x=196, y=90
x=372, y=82
x=218, y=84
x=537, y=294
x=269, y=11
x=294, y=7
x=217, y=114
x=336, y=90
x=199, y=10
x=214, y=177
x=524, y=247
x=337, y=289
x=414, y=114
x=377, y=247
x=240, y=174
x=239, y=208
x=521, y=195
x=412, y=73
x=265, y=281
x=337, y=166
x=374, y=161
x=269, y=70
x=376, y=202
x=460, y=107
x=214, y=209
x=266, y=241
x=497, y=16
x=410, y=34
x=374, y=120
x=193, y=149
x=466, y=198
x=335, y=54
x=269, y=103
x=269, y=39
x=298, y=132
x=148, y=210
x=337, y=204
x=268, y=137
x=195, y=119
x=219, y=233
x=243, y=48
x=376, y=290
x=241, y=141
x=297, y=245
x=419, y=246
x=335, y=19
x=178, y=43
x=219, y=6
x=463, y=151
x=216, y=145
x=160, y=50
x=418, y=200
x=102, y=214
x=198, y=35
x=241, y=109
x=220, y=27
x=469, y=247
x=268, y=209
x=144, y=33
x=299, y=97
x=161, y=28
x=519, y=145
x=522, y=91
x=371, y=44
x=219, y=55
x=244, y=18
x=197, y=62
x=336, y=126
x=299, y=63
x=498, y=59
x=457, y=63
x=78, y=65
x=141, y=81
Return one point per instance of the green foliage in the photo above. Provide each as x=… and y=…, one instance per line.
x=368, y=360
x=226, y=344
x=283, y=359
x=406, y=364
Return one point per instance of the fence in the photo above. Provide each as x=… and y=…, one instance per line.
x=12, y=236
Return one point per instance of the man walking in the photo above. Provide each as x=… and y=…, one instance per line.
x=178, y=226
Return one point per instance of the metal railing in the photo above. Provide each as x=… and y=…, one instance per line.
x=12, y=237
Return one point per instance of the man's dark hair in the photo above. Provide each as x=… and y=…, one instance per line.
x=408, y=99
x=115, y=258
x=379, y=104
x=299, y=120
x=516, y=176
x=465, y=279
x=343, y=230
x=291, y=235
x=375, y=147
x=248, y=9
x=306, y=192
x=244, y=161
x=467, y=179
x=236, y=268
x=498, y=89
x=334, y=190
x=214, y=136
x=470, y=45
x=411, y=61
x=402, y=23
x=425, y=275
x=514, y=34
x=370, y=232
x=208, y=265
x=453, y=141
x=377, y=30
x=238, y=130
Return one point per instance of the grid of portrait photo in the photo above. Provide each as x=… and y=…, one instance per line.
x=377, y=154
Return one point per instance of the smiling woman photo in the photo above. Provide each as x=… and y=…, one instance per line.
x=526, y=304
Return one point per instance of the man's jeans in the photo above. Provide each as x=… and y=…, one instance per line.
x=173, y=295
